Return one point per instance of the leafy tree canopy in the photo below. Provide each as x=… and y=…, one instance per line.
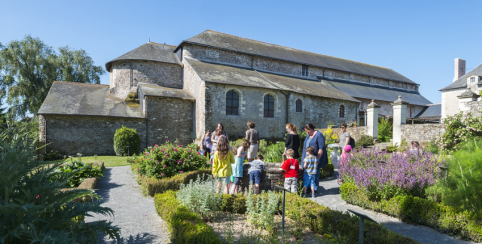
x=29, y=67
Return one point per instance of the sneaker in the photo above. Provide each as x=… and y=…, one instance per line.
x=313, y=196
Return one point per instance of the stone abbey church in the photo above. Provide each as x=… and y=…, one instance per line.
x=167, y=92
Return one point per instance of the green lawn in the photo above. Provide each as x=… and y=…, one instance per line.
x=109, y=161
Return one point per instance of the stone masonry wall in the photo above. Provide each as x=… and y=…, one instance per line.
x=163, y=74
x=196, y=87
x=169, y=119
x=476, y=107
x=355, y=132
x=421, y=132
x=87, y=135
x=386, y=108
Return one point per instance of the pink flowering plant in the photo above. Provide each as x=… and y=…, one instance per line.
x=384, y=175
x=168, y=159
x=458, y=129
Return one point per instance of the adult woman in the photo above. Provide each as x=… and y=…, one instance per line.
x=292, y=140
x=344, y=137
x=316, y=140
x=220, y=127
x=206, y=143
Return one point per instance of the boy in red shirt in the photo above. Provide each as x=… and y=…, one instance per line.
x=291, y=168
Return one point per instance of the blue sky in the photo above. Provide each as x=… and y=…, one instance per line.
x=418, y=39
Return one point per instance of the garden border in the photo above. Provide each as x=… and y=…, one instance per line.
x=444, y=219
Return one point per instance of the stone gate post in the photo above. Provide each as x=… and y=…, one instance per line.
x=399, y=118
x=372, y=119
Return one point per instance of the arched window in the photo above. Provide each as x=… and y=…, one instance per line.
x=268, y=106
x=342, y=111
x=232, y=103
x=299, y=106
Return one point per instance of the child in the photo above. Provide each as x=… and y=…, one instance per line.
x=215, y=139
x=310, y=165
x=240, y=152
x=291, y=167
x=257, y=166
x=223, y=158
x=206, y=143
x=346, y=151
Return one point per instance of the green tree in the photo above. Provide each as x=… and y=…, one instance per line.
x=385, y=131
x=29, y=67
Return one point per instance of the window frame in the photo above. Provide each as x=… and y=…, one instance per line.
x=299, y=106
x=304, y=70
x=231, y=108
x=342, y=111
x=268, y=109
x=472, y=79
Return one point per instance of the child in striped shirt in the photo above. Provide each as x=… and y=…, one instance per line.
x=310, y=164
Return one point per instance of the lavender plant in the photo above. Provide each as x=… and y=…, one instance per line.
x=384, y=175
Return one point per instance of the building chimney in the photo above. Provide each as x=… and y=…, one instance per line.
x=459, y=70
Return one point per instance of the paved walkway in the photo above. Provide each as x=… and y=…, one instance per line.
x=330, y=197
x=133, y=213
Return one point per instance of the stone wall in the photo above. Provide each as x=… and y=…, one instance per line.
x=475, y=107
x=272, y=176
x=127, y=74
x=386, y=108
x=421, y=132
x=197, y=88
x=169, y=119
x=87, y=135
x=355, y=132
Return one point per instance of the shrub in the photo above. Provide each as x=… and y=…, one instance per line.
x=445, y=219
x=152, y=185
x=462, y=187
x=36, y=210
x=52, y=155
x=200, y=196
x=327, y=171
x=184, y=225
x=382, y=175
x=385, y=130
x=126, y=137
x=459, y=128
x=234, y=203
x=81, y=172
x=330, y=137
x=364, y=141
x=274, y=152
x=261, y=209
x=168, y=160
x=340, y=225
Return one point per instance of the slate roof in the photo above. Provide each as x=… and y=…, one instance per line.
x=253, y=47
x=432, y=111
x=159, y=91
x=150, y=51
x=240, y=76
x=462, y=81
x=72, y=98
x=380, y=93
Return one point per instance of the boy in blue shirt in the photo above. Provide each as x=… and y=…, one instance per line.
x=310, y=165
x=257, y=166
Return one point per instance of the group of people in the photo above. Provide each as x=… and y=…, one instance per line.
x=228, y=162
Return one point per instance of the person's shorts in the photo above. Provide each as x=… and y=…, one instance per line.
x=237, y=181
x=226, y=180
x=253, y=151
x=255, y=177
x=308, y=180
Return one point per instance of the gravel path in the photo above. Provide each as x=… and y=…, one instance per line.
x=330, y=197
x=133, y=213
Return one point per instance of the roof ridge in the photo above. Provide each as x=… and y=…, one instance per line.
x=297, y=49
x=80, y=83
x=164, y=44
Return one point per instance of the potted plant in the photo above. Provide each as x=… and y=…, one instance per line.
x=330, y=123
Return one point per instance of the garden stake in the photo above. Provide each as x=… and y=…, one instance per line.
x=283, y=216
x=362, y=218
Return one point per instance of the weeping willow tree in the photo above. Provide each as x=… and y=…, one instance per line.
x=35, y=209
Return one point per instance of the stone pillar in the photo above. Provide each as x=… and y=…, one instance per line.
x=466, y=97
x=399, y=118
x=372, y=119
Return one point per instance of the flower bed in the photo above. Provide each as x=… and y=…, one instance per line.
x=187, y=226
x=382, y=175
x=417, y=210
x=458, y=129
x=168, y=159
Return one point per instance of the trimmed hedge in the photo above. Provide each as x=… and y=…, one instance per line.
x=445, y=219
x=126, y=140
x=327, y=171
x=184, y=225
x=153, y=185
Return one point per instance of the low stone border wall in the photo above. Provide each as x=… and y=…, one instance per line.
x=89, y=183
x=421, y=132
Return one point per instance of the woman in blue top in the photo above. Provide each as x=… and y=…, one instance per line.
x=316, y=140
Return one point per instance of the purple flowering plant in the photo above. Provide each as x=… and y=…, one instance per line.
x=163, y=161
x=384, y=175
